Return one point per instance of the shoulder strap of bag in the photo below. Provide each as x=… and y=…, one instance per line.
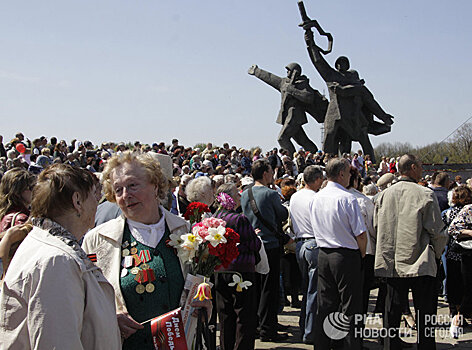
x=14, y=219
x=258, y=214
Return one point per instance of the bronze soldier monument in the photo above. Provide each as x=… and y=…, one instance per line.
x=352, y=106
x=298, y=97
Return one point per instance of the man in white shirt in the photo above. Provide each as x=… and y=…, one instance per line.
x=340, y=233
x=307, y=250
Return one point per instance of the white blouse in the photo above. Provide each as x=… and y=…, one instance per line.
x=149, y=235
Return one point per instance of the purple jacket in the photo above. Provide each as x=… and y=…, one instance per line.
x=249, y=242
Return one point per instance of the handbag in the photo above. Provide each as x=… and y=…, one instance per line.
x=467, y=244
x=262, y=266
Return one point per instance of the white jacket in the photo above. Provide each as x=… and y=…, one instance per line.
x=53, y=299
x=105, y=241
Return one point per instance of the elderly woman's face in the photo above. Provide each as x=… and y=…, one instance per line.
x=236, y=197
x=134, y=194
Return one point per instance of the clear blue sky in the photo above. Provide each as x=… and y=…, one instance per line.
x=150, y=70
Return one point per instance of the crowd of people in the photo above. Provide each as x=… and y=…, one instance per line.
x=317, y=232
x=35, y=155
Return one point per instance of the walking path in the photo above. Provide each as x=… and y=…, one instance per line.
x=443, y=340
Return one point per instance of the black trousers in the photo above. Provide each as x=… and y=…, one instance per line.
x=339, y=290
x=459, y=284
x=291, y=275
x=237, y=313
x=269, y=295
x=382, y=294
x=425, y=295
x=368, y=279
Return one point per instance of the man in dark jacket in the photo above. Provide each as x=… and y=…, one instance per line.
x=273, y=213
x=440, y=186
x=276, y=163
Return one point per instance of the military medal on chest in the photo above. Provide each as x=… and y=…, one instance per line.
x=140, y=289
x=124, y=272
x=145, y=255
x=139, y=278
x=125, y=252
x=149, y=277
x=137, y=263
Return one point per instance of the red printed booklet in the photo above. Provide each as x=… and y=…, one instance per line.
x=168, y=331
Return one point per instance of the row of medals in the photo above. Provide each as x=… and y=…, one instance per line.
x=136, y=270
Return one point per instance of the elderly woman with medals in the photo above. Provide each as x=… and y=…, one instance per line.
x=53, y=296
x=132, y=249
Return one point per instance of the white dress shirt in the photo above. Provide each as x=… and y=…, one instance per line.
x=367, y=210
x=336, y=217
x=300, y=213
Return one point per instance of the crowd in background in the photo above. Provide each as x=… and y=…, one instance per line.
x=210, y=160
x=198, y=174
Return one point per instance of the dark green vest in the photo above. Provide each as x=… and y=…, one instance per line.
x=168, y=285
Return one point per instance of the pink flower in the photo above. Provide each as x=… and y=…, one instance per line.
x=200, y=230
x=226, y=201
x=213, y=222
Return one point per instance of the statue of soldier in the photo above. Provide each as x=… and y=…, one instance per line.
x=298, y=97
x=351, y=108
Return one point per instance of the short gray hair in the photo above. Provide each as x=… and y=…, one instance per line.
x=370, y=190
x=231, y=178
x=218, y=180
x=184, y=180
x=228, y=188
x=312, y=173
x=405, y=163
x=335, y=166
x=197, y=188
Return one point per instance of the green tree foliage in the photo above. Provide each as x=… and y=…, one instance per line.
x=458, y=149
x=202, y=146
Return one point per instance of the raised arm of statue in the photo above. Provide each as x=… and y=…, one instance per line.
x=273, y=80
x=347, y=90
x=327, y=72
x=304, y=93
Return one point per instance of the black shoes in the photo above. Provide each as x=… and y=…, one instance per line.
x=277, y=337
x=282, y=328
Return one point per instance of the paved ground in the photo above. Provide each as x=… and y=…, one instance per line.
x=444, y=341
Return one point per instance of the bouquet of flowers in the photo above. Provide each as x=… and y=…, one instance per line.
x=195, y=211
x=208, y=246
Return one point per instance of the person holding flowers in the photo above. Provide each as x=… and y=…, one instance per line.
x=132, y=249
x=213, y=247
x=236, y=301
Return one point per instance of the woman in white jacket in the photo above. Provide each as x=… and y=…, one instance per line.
x=53, y=296
x=132, y=251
